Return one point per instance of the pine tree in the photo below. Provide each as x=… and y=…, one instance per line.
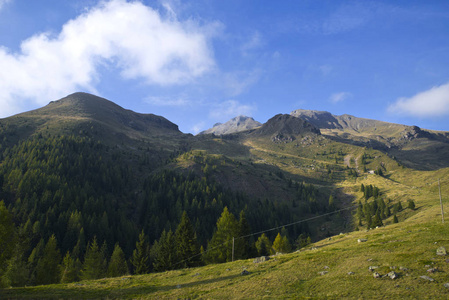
x=16, y=273
x=186, y=243
x=377, y=220
x=70, y=269
x=164, y=252
x=281, y=244
x=411, y=204
x=220, y=246
x=242, y=244
x=263, y=245
x=47, y=269
x=395, y=219
x=93, y=267
x=117, y=265
x=140, y=258
x=7, y=235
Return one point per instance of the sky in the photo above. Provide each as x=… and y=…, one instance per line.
x=201, y=62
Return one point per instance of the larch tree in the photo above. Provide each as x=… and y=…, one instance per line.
x=187, y=247
x=140, y=258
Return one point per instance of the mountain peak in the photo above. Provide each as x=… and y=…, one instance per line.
x=237, y=124
x=283, y=127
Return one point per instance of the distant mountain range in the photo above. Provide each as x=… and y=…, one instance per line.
x=237, y=124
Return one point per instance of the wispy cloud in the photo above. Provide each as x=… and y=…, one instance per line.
x=197, y=128
x=339, y=97
x=431, y=103
x=166, y=101
x=134, y=38
x=230, y=109
x=253, y=42
x=3, y=2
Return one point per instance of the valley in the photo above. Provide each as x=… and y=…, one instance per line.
x=83, y=168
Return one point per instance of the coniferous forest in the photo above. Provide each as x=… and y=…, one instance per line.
x=73, y=208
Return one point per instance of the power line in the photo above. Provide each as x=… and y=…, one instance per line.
x=268, y=230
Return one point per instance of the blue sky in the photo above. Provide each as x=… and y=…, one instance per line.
x=206, y=61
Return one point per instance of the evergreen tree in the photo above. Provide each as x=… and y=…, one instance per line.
x=411, y=204
x=94, y=262
x=331, y=203
x=302, y=241
x=263, y=245
x=140, y=258
x=281, y=244
x=70, y=269
x=395, y=219
x=7, y=235
x=164, y=252
x=242, y=244
x=47, y=269
x=220, y=246
x=34, y=258
x=16, y=273
x=117, y=265
x=377, y=220
x=187, y=247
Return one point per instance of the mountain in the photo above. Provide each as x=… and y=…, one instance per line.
x=414, y=147
x=237, y=124
x=285, y=128
x=83, y=169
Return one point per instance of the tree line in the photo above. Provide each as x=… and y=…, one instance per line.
x=80, y=198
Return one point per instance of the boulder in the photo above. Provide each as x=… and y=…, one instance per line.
x=427, y=278
x=376, y=275
x=441, y=251
x=446, y=285
x=244, y=272
x=322, y=273
x=393, y=275
x=362, y=240
x=372, y=268
x=351, y=273
x=261, y=259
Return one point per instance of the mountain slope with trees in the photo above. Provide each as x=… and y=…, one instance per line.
x=91, y=190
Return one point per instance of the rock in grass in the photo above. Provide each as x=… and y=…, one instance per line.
x=376, y=275
x=244, y=272
x=372, y=268
x=446, y=285
x=362, y=240
x=427, y=278
x=322, y=273
x=441, y=251
x=261, y=259
x=393, y=275
x=351, y=273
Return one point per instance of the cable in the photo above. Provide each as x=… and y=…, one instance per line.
x=267, y=230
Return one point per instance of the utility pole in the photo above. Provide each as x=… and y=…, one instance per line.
x=441, y=202
x=233, y=240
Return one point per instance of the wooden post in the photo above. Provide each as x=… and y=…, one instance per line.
x=233, y=240
x=441, y=202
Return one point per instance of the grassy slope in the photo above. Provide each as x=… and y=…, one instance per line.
x=409, y=244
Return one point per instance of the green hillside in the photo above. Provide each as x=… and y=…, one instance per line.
x=100, y=186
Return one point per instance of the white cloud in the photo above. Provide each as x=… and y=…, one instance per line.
x=339, y=97
x=231, y=109
x=126, y=35
x=431, y=103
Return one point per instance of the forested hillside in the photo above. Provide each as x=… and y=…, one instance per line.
x=78, y=204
